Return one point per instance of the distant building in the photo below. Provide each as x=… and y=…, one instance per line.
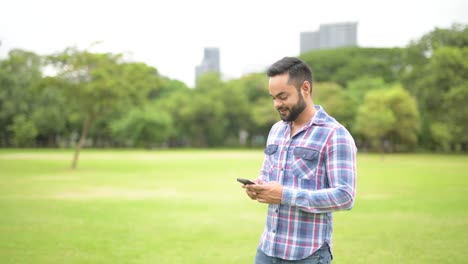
x=210, y=62
x=330, y=36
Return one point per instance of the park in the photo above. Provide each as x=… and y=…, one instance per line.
x=185, y=206
x=109, y=161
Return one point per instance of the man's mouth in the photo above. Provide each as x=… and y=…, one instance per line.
x=283, y=111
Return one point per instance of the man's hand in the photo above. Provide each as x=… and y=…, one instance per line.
x=252, y=194
x=269, y=193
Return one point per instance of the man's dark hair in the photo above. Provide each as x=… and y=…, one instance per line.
x=298, y=71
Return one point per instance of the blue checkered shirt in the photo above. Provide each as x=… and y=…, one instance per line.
x=317, y=168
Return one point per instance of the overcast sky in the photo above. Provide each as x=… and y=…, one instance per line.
x=251, y=34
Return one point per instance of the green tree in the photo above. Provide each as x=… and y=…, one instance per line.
x=207, y=112
x=264, y=115
x=343, y=64
x=375, y=120
x=337, y=102
x=434, y=65
x=456, y=116
x=95, y=86
x=19, y=73
x=143, y=128
x=50, y=113
x=178, y=105
x=389, y=119
x=258, y=113
x=168, y=87
x=254, y=85
x=237, y=112
x=141, y=84
x=404, y=135
x=24, y=131
x=358, y=88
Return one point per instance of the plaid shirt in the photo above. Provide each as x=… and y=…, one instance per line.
x=317, y=168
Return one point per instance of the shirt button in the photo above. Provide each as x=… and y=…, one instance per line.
x=276, y=210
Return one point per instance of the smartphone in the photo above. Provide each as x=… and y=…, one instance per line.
x=245, y=181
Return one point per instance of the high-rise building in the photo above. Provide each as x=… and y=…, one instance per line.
x=210, y=62
x=330, y=36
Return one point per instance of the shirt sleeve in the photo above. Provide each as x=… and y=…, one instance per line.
x=341, y=173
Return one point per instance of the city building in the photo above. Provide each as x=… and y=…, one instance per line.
x=210, y=62
x=330, y=36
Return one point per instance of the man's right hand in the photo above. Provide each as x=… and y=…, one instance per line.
x=252, y=194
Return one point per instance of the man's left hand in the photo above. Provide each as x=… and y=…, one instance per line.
x=270, y=192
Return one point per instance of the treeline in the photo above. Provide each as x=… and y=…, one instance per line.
x=391, y=99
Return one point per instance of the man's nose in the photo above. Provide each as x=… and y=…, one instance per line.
x=277, y=103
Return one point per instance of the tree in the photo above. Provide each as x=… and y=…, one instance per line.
x=375, y=120
x=19, y=73
x=434, y=65
x=337, y=102
x=404, y=135
x=264, y=115
x=141, y=84
x=343, y=64
x=254, y=85
x=168, y=87
x=207, y=111
x=358, y=88
x=143, y=127
x=236, y=112
x=50, y=113
x=456, y=115
x=23, y=131
x=389, y=119
x=178, y=106
x=95, y=85
x=258, y=113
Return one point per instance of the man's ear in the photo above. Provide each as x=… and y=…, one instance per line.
x=306, y=88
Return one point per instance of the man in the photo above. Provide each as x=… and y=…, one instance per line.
x=309, y=171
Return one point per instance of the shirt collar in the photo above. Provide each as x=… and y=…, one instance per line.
x=320, y=116
x=318, y=119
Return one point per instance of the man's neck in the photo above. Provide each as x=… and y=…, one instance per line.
x=303, y=118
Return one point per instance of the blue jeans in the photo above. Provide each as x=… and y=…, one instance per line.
x=321, y=256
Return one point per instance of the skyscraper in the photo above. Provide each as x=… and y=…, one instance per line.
x=330, y=36
x=210, y=62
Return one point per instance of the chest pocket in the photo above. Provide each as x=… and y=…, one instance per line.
x=271, y=149
x=305, y=166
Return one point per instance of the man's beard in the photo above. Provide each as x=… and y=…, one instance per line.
x=295, y=111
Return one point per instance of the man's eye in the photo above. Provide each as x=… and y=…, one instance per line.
x=282, y=98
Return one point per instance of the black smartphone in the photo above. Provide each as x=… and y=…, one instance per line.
x=245, y=181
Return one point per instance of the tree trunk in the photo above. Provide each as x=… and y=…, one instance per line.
x=84, y=133
x=382, y=149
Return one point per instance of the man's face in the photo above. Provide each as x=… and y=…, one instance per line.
x=287, y=100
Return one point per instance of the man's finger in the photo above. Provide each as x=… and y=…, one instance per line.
x=252, y=195
x=254, y=188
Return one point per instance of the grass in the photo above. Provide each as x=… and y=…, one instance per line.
x=184, y=206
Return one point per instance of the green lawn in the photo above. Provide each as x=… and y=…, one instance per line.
x=184, y=206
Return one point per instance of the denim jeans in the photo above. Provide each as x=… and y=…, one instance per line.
x=321, y=256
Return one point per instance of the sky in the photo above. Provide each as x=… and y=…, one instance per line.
x=251, y=34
